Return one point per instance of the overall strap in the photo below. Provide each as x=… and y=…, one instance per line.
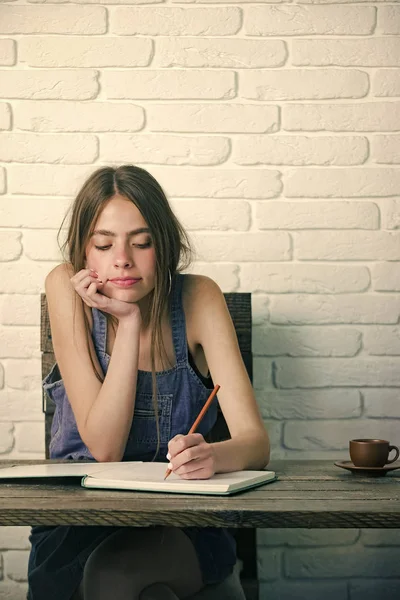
x=99, y=331
x=178, y=319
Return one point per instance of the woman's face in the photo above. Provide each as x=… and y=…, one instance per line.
x=121, y=251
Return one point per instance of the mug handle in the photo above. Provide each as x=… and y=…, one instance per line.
x=395, y=448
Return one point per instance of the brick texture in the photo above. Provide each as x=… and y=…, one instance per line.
x=274, y=128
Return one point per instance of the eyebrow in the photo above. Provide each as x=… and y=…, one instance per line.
x=112, y=234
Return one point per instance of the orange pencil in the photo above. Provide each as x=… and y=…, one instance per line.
x=199, y=418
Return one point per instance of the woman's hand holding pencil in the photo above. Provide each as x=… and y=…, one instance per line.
x=190, y=456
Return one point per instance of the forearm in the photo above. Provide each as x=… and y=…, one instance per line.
x=110, y=417
x=244, y=452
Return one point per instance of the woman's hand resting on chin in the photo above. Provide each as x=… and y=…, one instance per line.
x=87, y=284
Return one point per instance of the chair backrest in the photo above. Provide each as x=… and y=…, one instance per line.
x=239, y=305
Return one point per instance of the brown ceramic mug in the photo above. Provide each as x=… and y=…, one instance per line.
x=371, y=453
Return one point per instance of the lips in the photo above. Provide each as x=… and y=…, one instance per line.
x=124, y=281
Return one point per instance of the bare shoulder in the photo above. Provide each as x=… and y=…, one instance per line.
x=198, y=287
x=200, y=293
x=59, y=277
x=59, y=292
x=204, y=305
x=61, y=297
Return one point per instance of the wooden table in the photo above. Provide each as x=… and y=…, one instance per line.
x=311, y=494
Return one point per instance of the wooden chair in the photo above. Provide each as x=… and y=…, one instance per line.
x=239, y=305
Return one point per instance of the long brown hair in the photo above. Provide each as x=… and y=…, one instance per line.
x=171, y=244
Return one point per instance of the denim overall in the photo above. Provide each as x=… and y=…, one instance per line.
x=59, y=554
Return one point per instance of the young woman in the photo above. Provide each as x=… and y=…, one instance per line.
x=138, y=347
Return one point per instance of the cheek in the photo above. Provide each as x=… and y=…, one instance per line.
x=153, y=264
x=94, y=260
x=149, y=261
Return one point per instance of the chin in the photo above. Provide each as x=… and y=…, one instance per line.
x=125, y=295
x=131, y=295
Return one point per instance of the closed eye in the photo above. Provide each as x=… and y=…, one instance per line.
x=141, y=246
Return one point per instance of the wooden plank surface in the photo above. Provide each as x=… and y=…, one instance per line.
x=307, y=494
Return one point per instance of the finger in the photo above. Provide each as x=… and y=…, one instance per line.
x=172, y=450
x=92, y=290
x=102, y=302
x=97, y=299
x=94, y=274
x=189, y=467
x=83, y=293
x=191, y=440
x=194, y=438
x=87, y=300
x=83, y=284
x=79, y=276
x=176, y=438
x=84, y=275
x=89, y=295
x=181, y=442
x=200, y=473
x=86, y=281
x=190, y=454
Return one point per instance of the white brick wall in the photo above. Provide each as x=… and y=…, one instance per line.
x=283, y=117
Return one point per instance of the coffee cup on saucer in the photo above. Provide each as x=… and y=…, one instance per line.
x=372, y=453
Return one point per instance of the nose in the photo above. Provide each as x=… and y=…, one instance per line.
x=123, y=260
x=122, y=263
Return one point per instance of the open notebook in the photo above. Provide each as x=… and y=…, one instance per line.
x=140, y=476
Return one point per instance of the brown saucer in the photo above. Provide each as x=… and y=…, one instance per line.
x=369, y=471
